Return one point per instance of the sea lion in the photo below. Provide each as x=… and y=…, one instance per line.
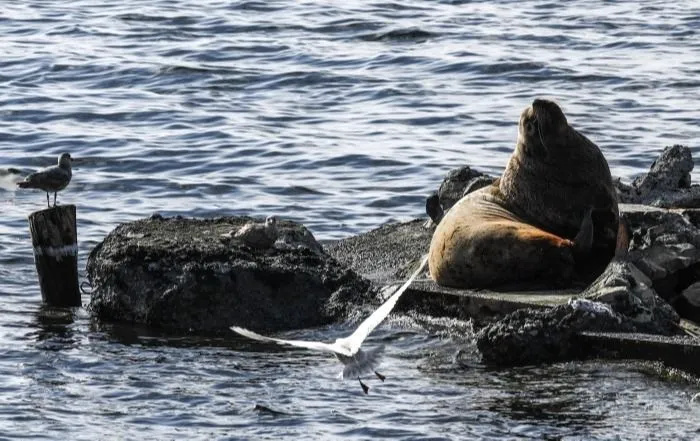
x=550, y=217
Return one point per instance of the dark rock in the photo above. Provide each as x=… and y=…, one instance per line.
x=620, y=300
x=530, y=336
x=688, y=303
x=667, y=184
x=692, y=294
x=477, y=183
x=458, y=183
x=433, y=208
x=384, y=254
x=453, y=186
x=665, y=246
x=670, y=171
x=630, y=293
x=190, y=275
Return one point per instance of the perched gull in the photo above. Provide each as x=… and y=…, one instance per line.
x=356, y=361
x=258, y=235
x=51, y=179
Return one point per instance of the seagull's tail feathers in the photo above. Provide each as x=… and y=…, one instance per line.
x=363, y=362
x=25, y=184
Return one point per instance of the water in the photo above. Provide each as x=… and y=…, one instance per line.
x=341, y=115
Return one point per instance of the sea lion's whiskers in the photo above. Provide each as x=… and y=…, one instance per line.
x=539, y=132
x=538, y=122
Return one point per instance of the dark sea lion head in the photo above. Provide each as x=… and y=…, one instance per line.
x=542, y=127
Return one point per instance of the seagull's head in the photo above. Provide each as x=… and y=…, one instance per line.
x=64, y=160
x=271, y=225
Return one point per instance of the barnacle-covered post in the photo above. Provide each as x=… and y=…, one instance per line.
x=55, y=241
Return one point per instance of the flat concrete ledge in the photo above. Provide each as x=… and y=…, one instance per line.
x=427, y=297
x=680, y=352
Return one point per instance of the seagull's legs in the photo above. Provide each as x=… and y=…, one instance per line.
x=365, y=388
x=54, y=198
x=380, y=376
x=48, y=203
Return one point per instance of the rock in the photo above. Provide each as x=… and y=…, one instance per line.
x=665, y=246
x=182, y=275
x=688, y=303
x=667, y=184
x=692, y=294
x=630, y=293
x=456, y=182
x=530, y=336
x=433, y=209
x=384, y=254
x=670, y=171
x=477, y=183
x=298, y=238
x=620, y=300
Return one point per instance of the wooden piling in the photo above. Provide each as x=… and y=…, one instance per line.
x=55, y=241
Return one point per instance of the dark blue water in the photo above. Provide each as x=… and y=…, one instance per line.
x=341, y=115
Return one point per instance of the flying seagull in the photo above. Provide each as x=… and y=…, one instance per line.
x=356, y=361
x=51, y=179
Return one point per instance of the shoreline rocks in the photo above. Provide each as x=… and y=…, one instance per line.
x=184, y=275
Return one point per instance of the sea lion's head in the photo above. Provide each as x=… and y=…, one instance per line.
x=541, y=125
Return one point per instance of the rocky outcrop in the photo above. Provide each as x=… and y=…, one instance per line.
x=385, y=254
x=647, y=291
x=667, y=184
x=194, y=275
x=185, y=274
x=620, y=300
x=457, y=183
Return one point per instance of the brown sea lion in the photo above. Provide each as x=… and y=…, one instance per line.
x=551, y=216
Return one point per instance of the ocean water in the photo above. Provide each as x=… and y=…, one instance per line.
x=340, y=115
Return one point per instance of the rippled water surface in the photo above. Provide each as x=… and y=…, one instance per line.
x=341, y=115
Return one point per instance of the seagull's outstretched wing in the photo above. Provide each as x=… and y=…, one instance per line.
x=354, y=341
x=313, y=345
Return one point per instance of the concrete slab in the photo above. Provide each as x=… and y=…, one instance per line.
x=680, y=352
x=427, y=297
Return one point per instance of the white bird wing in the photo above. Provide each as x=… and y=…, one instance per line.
x=313, y=345
x=354, y=341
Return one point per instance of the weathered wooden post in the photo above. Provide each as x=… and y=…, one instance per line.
x=55, y=241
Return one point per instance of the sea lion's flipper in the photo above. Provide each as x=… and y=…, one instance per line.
x=380, y=376
x=623, y=239
x=365, y=388
x=583, y=242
